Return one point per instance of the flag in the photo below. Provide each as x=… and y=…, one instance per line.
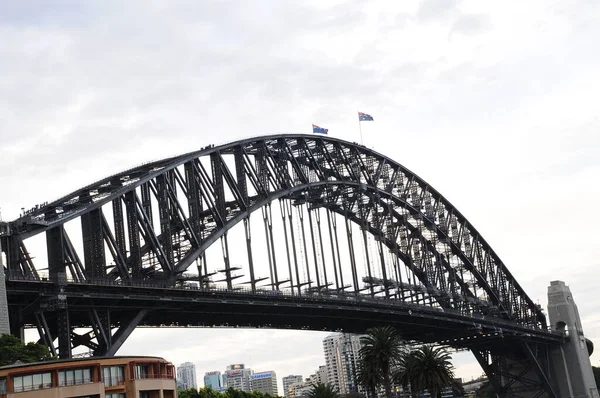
x=319, y=130
x=363, y=117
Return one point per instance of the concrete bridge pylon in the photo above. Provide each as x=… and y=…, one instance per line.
x=573, y=376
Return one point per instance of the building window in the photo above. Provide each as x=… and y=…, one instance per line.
x=144, y=394
x=113, y=375
x=141, y=372
x=3, y=387
x=36, y=381
x=72, y=377
x=118, y=395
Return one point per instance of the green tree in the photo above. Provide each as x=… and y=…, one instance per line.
x=382, y=348
x=189, y=393
x=486, y=391
x=428, y=368
x=208, y=392
x=233, y=393
x=369, y=378
x=12, y=349
x=404, y=374
x=596, y=375
x=321, y=390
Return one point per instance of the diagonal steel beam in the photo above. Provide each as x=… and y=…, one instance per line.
x=116, y=253
x=490, y=373
x=150, y=235
x=123, y=333
x=533, y=360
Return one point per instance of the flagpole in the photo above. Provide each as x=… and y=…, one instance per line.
x=360, y=130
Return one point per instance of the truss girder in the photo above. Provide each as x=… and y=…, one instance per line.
x=93, y=244
x=386, y=199
x=105, y=337
x=522, y=370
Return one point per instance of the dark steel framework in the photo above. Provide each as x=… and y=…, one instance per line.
x=344, y=230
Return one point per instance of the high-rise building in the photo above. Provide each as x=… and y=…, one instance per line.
x=186, y=376
x=265, y=382
x=237, y=376
x=341, y=359
x=320, y=376
x=288, y=381
x=213, y=380
x=331, y=360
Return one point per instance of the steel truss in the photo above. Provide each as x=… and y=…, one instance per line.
x=149, y=224
x=519, y=371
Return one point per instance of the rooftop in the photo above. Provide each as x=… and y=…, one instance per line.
x=86, y=359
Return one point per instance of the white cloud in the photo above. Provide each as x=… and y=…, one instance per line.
x=494, y=105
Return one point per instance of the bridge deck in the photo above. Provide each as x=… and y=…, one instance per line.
x=181, y=307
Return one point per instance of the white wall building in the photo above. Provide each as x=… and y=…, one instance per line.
x=265, y=382
x=341, y=358
x=288, y=381
x=320, y=376
x=301, y=389
x=238, y=377
x=186, y=376
x=331, y=359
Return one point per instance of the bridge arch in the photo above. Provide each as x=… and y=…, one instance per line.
x=144, y=228
x=288, y=167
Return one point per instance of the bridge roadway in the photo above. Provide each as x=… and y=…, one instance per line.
x=213, y=307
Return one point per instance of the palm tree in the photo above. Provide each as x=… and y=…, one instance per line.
x=381, y=349
x=427, y=368
x=321, y=390
x=405, y=369
x=369, y=377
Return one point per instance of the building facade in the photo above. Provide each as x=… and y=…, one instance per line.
x=320, y=376
x=288, y=381
x=213, y=380
x=237, y=376
x=341, y=361
x=110, y=377
x=331, y=364
x=300, y=390
x=265, y=382
x=186, y=376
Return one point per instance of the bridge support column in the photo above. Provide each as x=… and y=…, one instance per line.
x=64, y=334
x=4, y=318
x=571, y=365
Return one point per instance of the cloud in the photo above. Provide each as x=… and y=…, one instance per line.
x=470, y=24
x=436, y=9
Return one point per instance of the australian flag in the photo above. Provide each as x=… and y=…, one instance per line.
x=363, y=117
x=319, y=130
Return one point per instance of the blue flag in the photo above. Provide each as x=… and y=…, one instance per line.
x=319, y=130
x=363, y=117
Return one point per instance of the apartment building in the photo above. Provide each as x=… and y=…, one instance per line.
x=110, y=377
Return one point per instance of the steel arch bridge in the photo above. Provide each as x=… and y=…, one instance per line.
x=287, y=231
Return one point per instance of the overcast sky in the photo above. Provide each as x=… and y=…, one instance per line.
x=495, y=104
